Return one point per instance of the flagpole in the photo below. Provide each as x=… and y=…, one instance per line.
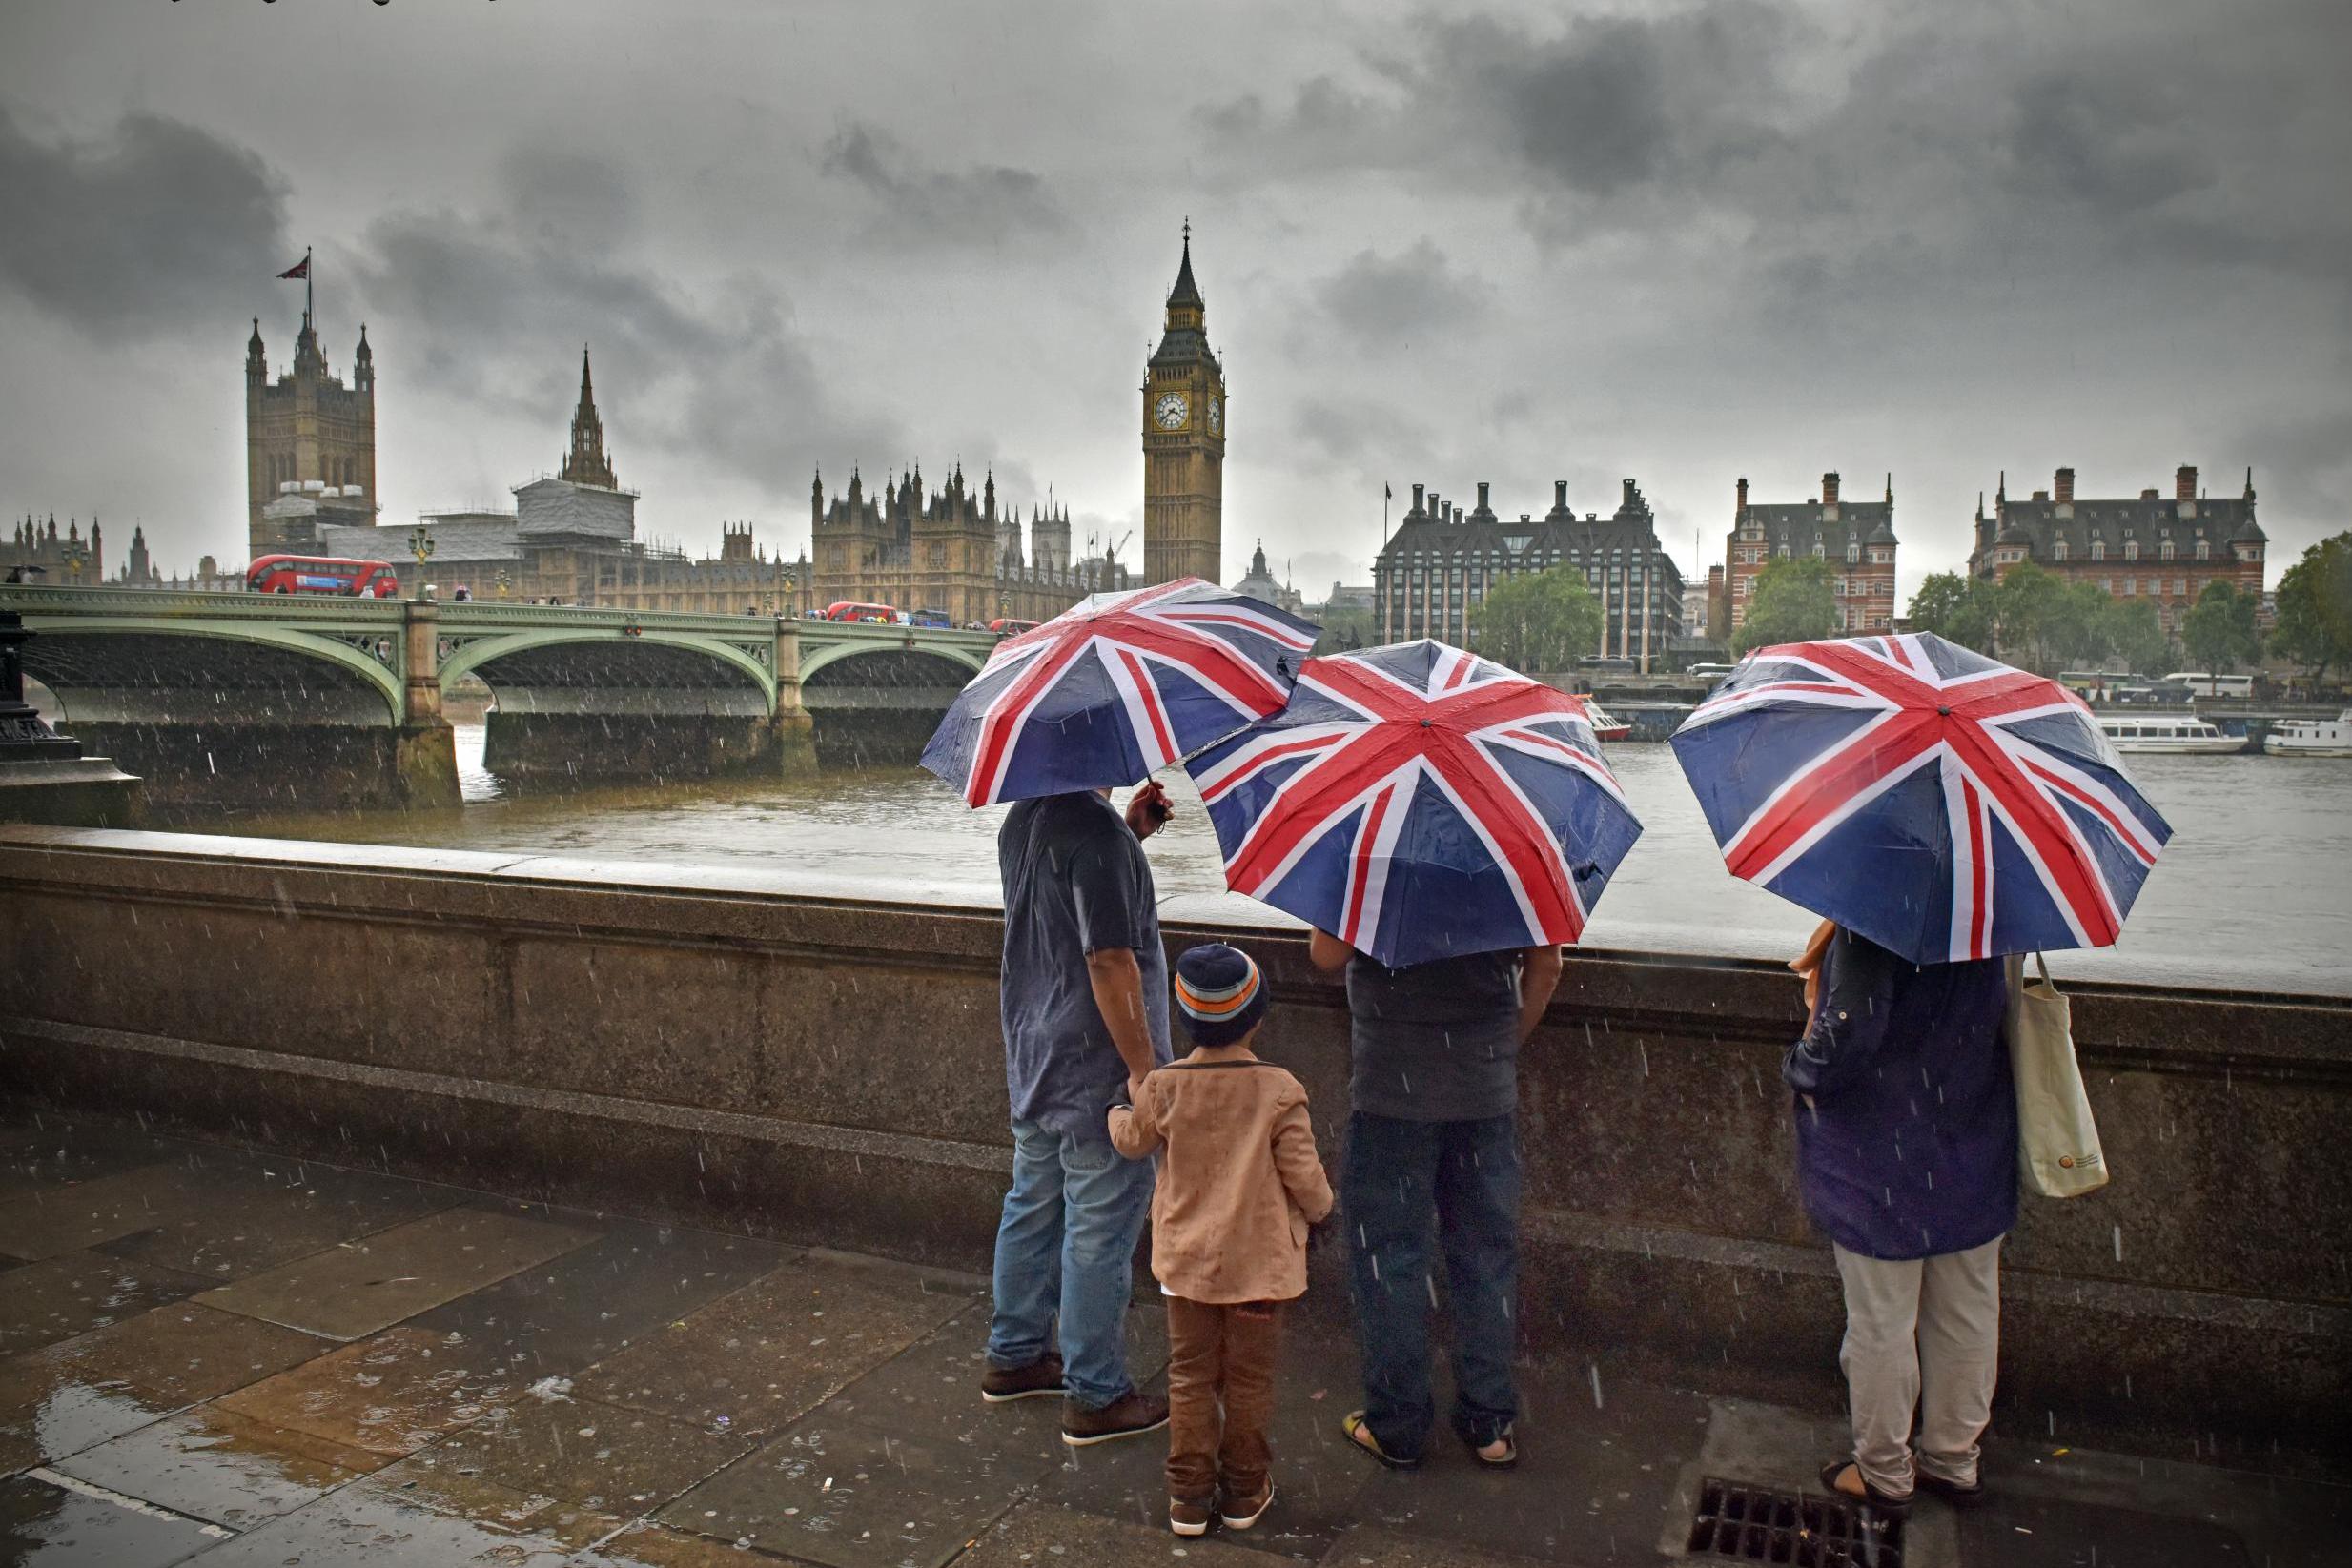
x=308, y=319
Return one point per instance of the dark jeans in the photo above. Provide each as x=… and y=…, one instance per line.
x=1396, y=1177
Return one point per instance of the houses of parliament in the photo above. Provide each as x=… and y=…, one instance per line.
x=571, y=536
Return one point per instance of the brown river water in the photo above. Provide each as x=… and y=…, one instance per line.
x=2254, y=892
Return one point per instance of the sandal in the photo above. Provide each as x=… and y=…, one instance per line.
x=1952, y=1492
x=1508, y=1459
x=1359, y=1433
x=1893, y=1508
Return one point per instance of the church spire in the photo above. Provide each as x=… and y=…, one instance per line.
x=587, y=463
x=1186, y=291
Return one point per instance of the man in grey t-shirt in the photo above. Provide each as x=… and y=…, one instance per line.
x=1085, y=1004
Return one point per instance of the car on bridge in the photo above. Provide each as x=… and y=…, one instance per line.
x=936, y=620
x=323, y=575
x=850, y=609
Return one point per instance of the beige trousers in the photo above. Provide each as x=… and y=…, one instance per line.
x=1921, y=1334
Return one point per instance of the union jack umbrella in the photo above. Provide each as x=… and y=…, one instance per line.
x=1115, y=687
x=1417, y=802
x=1938, y=801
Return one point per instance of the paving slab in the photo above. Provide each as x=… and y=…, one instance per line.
x=50, y=1409
x=1038, y=1535
x=1597, y=1477
x=47, y=1221
x=934, y=1386
x=619, y=1462
x=40, y=1151
x=555, y=1318
x=759, y=1358
x=1368, y=1546
x=185, y=1352
x=264, y=1211
x=212, y=1464
x=364, y=1524
x=354, y=1290
x=48, y=1522
x=659, y=1546
x=834, y=1491
x=454, y=1490
x=41, y=1303
x=389, y=1395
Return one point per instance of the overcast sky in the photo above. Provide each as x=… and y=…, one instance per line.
x=1439, y=242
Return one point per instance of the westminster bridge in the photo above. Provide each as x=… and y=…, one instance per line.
x=251, y=700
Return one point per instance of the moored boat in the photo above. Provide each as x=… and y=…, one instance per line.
x=2311, y=737
x=2175, y=734
x=1605, y=727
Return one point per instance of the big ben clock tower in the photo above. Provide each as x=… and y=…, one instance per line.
x=1183, y=444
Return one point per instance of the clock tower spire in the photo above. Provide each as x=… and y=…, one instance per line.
x=1183, y=441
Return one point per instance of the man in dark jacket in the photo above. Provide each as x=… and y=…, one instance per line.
x=1907, y=1156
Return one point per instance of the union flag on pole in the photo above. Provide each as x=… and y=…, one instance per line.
x=300, y=269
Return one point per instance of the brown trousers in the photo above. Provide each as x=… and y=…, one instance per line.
x=1219, y=1354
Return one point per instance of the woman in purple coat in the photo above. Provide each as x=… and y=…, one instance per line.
x=1907, y=1156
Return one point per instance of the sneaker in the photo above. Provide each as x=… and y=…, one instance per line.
x=1000, y=1386
x=1130, y=1415
x=1240, y=1512
x=1188, y=1519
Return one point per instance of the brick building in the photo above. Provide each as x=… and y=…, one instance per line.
x=2149, y=546
x=1437, y=568
x=1856, y=537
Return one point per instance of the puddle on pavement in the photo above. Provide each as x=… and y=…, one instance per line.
x=214, y=1464
x=47, y=1526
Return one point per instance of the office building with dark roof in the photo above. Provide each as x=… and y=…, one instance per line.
x=1436, y=569
x=2149, y=546
x=1856, y=537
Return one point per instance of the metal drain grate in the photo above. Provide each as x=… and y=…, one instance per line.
x=1737, y=1522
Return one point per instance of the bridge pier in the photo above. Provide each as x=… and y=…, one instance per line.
x=527, y=746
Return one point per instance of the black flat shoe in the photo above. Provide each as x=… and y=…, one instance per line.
x=1952, y=1492
x=1893, y=1508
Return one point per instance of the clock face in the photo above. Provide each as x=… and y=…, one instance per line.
x=1170, y=411
x=1216, y=415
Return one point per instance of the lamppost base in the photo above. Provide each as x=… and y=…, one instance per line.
x=72, y=792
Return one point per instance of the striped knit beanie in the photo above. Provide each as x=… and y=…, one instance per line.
x=1220, y=994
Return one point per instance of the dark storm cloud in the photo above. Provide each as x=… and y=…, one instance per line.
x=983, y=204
x=1393, y=298
x=496, y=307
x=153, y=229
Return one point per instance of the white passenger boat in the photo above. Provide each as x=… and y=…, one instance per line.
x=1605, y=727
x=2177, y=734
x=2311, y=737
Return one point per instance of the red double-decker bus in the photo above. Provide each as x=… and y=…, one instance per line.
x=323, y=575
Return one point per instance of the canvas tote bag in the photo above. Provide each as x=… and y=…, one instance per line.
x=2058, y=1154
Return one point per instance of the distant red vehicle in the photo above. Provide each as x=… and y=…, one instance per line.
x=323, y=575
x=1008, y=627
x=850, y=609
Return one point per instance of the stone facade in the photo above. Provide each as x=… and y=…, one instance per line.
x=1258, y=584
x=950, y=550
x=1437, y=568
x=1856, y=537
x=2149, y=547
x=63, y=558
x=307, y=432
x=1184, y=443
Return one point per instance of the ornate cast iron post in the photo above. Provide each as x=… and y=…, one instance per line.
x=25, y=736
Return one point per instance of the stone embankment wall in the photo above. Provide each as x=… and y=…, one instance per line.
x=746, y=1050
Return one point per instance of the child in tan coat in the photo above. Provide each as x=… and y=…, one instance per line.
x=1239, y=1187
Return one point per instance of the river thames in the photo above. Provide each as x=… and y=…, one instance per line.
x=2254, y=892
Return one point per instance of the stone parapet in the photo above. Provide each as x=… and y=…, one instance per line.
x=790, y=1056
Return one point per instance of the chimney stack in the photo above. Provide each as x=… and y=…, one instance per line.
x=2065, y=486
x=1743, y=493
x=1829, y=489
x=1416, y=500
x=1457, y=514
x=2184, y=482
x=1559, y=494
x=1437, y=505
x=1481, y=495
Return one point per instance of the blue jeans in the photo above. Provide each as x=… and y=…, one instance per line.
x=1066, y=1246
x=1395, y=1177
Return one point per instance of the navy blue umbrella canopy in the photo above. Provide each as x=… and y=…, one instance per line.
x=1115, y=688
x=1935, y=800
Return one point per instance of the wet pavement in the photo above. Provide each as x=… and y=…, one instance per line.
x=215, y=1356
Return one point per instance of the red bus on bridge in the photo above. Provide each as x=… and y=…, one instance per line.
x=323, y=575
x=850, y=609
